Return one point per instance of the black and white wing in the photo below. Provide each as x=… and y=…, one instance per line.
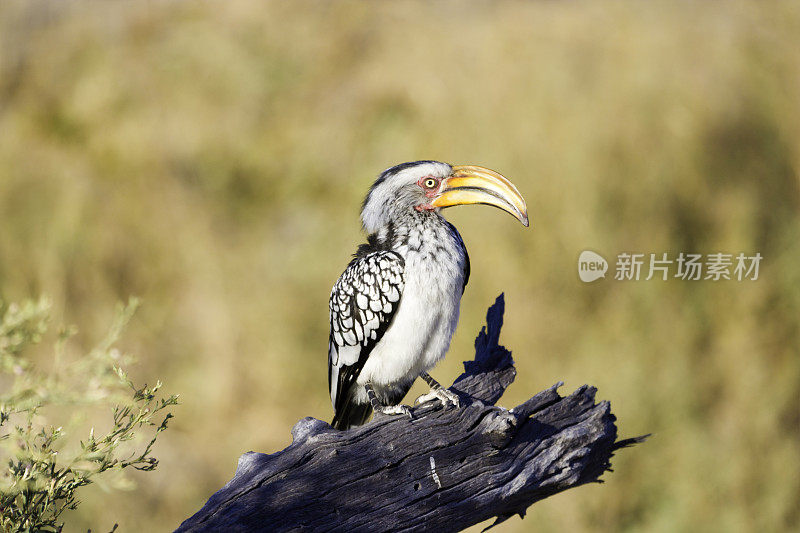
x=362, y=304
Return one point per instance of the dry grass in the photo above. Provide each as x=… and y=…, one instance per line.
x=211, y=159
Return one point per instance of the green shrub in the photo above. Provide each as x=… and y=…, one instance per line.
x=42, y=467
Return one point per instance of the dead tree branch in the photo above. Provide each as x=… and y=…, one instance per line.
x=443, y=470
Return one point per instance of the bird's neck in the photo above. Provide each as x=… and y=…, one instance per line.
x=414, y=232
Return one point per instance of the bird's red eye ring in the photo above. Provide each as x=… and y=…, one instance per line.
x=430, y=183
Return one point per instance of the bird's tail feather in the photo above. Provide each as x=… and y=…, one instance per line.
x=351, y=414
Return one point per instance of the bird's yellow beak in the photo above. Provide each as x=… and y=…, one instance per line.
x=469, y=184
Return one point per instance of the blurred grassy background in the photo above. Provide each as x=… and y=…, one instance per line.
x=211, y=159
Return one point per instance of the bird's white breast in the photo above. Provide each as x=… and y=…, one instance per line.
x=428, y=313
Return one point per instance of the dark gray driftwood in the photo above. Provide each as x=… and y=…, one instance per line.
x=443, y=470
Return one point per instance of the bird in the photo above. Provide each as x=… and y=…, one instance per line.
x=394, y=309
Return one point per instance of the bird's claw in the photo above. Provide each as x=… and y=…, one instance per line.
x=396, y=410
x=443, y=395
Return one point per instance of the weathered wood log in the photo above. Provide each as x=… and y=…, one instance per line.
x=445, y=469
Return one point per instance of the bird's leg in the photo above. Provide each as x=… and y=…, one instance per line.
x=385, y=409
x=437, y=392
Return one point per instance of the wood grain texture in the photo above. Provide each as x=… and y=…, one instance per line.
x=443, y=470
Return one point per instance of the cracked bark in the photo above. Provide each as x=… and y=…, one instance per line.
x=445, y=470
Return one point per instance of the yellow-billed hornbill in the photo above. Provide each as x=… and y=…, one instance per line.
x=394, y=309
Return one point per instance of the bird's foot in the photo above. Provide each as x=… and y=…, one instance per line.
x=443, y=395
x=395, y=410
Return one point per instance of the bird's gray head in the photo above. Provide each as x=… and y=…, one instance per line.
x=424, y=186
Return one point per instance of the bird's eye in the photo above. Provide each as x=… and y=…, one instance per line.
x=430, y=183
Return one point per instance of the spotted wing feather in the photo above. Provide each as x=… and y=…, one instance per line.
x=362, y=304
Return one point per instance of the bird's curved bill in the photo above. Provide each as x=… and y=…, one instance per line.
x=470, y=184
